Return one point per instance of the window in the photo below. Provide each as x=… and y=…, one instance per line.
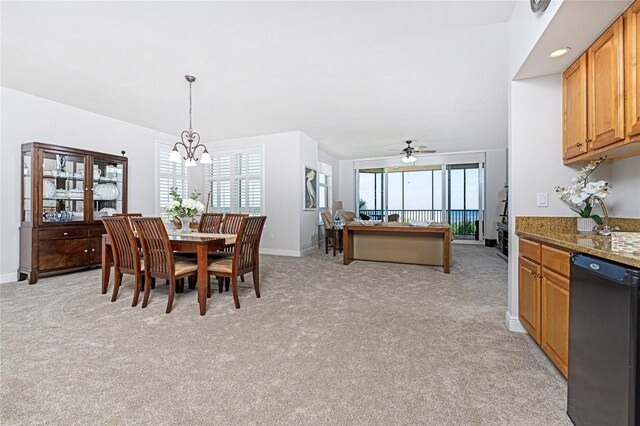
x=235, y=181
x=324, y=189
x=170, y=175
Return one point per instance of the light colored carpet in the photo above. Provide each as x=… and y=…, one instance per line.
x=368, y=343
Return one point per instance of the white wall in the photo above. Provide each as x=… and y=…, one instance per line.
x=27, y=118
x=308, y=218
x=625, y=194
x=525, y=29
x=289, y=230
x=347, y=185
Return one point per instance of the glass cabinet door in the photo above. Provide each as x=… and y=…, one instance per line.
x=62, y=187
x=108, y=178
x=27, y=210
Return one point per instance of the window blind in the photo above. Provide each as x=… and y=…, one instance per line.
x=235, y=181
x=170, y=175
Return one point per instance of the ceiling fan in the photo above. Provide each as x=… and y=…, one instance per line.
x=408, y=152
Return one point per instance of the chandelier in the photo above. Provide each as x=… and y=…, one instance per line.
x=190, y=141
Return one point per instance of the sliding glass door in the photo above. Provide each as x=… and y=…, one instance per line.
x=450, y=193
x=464, y=201
x=371, y=194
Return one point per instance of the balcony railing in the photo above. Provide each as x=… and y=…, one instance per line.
x=464, y=223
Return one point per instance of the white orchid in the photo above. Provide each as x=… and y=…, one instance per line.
x=583, y=193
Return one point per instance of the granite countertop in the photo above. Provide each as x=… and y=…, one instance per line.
x=561, y=232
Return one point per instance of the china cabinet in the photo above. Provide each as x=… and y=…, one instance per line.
x=65, y=193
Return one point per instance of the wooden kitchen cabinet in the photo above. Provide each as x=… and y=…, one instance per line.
x=605, y=80
x=555, y=319
x=529, y=296
x=632, y=70
x=543, y=298
x=554, y=340
x=605, y=100
x=574, y=109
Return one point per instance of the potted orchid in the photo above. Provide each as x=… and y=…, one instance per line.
x=184, y=209
x=583, y=195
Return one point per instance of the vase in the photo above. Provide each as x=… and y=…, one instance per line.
x=185, y=221
x=585, y=225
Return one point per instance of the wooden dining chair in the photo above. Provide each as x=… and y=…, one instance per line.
x=245, y=257
x=231, y=223
x=126, y=256
x=128, y=216
x=210, y=223
x=159, y=260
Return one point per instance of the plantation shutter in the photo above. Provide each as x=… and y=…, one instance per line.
x=235, y=181
x=170, y=175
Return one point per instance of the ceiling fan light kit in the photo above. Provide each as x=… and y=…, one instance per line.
x=407, y=153
x=189, y=137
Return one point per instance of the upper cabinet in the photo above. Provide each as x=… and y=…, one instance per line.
x=632, y=73
x=600, y=96
x=605, y=94
x=574, y=106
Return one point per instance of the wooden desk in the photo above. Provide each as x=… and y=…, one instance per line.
x=401, y=244
x=186, y=244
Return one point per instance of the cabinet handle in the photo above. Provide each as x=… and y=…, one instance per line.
x=532, y=272
x=65, y=233
x=539, y=276
x=86, y=251
x=93, y=249
x=578, y=145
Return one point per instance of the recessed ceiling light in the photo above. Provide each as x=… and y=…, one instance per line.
x=559, y=52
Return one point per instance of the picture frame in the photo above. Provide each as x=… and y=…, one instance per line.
x=310, y=185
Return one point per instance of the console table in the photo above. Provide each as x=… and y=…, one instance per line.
x=429, y=245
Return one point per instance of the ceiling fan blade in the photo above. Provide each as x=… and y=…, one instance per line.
x=424, y=151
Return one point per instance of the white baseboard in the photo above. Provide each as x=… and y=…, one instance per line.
x=279, y=252
x=291, y=253
x=8, y=278
x=513, y=324
x=308, y=251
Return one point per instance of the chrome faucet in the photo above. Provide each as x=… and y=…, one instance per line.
x=604, y=229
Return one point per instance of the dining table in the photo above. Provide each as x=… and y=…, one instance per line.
x=195, y=242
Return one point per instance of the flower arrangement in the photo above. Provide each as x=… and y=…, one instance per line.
x=187, y=207
x=582, y=195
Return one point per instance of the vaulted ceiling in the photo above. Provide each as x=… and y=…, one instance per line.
x=359, y=77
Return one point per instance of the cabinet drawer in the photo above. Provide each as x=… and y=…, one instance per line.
x=60, y=254
x=55, y=234
x=97, y=231
x=530, y=250
x=556, y=260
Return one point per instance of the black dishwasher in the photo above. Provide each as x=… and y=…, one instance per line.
x=603, y=343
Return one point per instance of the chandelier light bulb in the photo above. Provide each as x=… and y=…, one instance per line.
x=174, y=157
x=206, y=158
